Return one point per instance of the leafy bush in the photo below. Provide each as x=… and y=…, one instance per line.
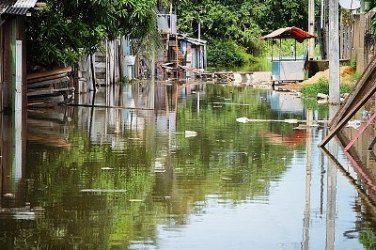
x=64, y=30
x=227, y=53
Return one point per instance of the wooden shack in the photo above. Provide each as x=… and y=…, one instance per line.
x=13, y=52
x=194, y=51
x=181, y=56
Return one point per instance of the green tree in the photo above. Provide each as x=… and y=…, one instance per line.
x=66, y=29
x=240, y=21
x=283, y=13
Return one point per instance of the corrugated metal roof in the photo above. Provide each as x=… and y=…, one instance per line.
x=194, y=41
x=21, y=7
x=4, y=5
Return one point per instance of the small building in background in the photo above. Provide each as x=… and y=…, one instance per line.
x=194, y=52
x=181, y=56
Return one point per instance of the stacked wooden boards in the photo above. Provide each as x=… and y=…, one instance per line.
x=49, y=88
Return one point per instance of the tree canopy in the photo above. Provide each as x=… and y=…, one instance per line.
x=240, y=21
x=66, y=28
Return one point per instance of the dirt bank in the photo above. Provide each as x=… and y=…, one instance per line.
x=345, y=74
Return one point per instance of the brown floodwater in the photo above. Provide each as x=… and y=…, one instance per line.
x=191, y=166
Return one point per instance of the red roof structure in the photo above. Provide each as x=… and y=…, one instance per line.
x=289, y=32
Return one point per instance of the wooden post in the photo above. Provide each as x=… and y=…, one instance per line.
x=311, y=29
x=93, y=78
x=199, y=30
x=331, y=202
x=7, y=66
x=18, y=83
x=122, y=65
x=307, y=207
x=177, y=56
x=1, y=67
x=334, y=94
x=152, y=66
x=323, y=30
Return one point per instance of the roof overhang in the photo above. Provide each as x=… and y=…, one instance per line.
x=195, y=41
x=289, y=32
x=20, y=7
x=4, y=5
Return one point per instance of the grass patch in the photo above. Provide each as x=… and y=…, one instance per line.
x=355, y=77
x=322, y=86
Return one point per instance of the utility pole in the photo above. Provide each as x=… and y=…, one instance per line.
x=311, y=29
x=334, y=94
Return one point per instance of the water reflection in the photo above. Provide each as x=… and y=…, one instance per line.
x=175, y=169
x=13, y=166
x=364, y=185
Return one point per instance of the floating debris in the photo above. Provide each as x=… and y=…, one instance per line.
x=291, y=121
x=189, y=134
x=159, y=166
x=321, y=96
x=243, y=120
x=246, y=120
x=103, y=190
x=365, y=115
x=306, y=126
x=106, y=168
x=159, y=171
x=354, y=124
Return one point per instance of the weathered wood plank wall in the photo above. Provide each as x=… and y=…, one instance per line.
x=107, y=67
x=362, y=49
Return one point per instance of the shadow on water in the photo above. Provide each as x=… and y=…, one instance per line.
x=158, y=166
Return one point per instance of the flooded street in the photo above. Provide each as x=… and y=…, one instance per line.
x=191, y=167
